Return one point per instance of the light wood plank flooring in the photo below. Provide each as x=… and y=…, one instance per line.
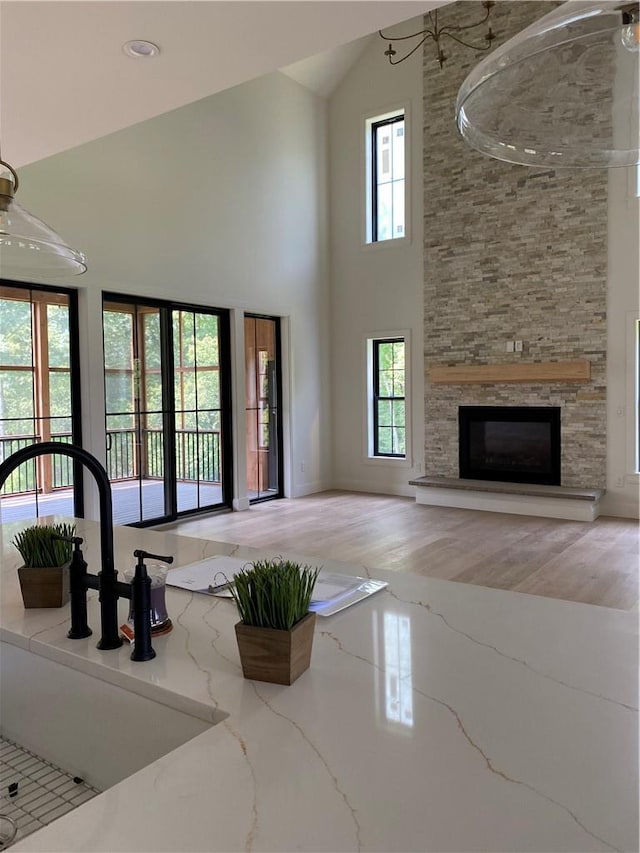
x=595, y=563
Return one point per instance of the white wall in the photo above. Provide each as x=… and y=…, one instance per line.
x=220, y=203
x=378, y=288
x=623, y=309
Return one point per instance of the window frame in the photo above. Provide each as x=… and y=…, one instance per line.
x=369, y=205
x=40, y=297
x=370, y=442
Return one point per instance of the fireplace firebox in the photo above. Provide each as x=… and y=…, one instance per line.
x=513, y=444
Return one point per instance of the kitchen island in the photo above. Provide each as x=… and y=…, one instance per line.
x=435, y=716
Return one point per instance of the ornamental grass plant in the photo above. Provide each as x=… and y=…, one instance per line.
x=40, y=548
x=273, y=593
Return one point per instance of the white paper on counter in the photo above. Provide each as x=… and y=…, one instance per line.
x=332, y=592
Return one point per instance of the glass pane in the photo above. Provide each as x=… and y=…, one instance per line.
x=398, y=413
x=384, y=440
x=399, y=441
x=186, y=420
x=208, y=383
x=60, y=429
x=385, y=356
x=383, y=151
x=58, y=335
x=398, y=383
x=184, y=347
x=121, y=437
x=385, y=211
x=59, y=393
x=153, y=453
x=185, y=390
x=384, y=412
x=250, y=362
x=15, y=332
x=119, y=392
x=23, y=478
x=398, y=354
x=153, y=420
x=398, y=208
x=118, y=337
x=206, y=330
x=153, y=392
x=152, y=353
x=385, y=383
x=16, y=394
x=187, y=453
x=207, y=463
x=61, y=466
x=398, y=151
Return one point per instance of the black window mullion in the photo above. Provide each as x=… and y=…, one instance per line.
x=374, y=171
x=378, y=398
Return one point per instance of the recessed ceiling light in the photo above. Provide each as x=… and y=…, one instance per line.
x=140, y=49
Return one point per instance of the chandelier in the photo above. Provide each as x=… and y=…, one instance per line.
x=564, y=92
x=437, y=33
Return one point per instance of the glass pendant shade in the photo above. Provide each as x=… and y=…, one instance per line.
x=562, y=93
x=29, y=249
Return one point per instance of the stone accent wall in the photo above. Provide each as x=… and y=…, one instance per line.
x=511, y=253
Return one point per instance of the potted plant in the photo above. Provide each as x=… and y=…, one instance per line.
x=275, y=633
x=44, y=577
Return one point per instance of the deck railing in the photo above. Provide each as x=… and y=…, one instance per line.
x=130, y=454
x=23, y=479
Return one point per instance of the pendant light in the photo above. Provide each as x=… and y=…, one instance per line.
x=562, y=93
x=29, y=249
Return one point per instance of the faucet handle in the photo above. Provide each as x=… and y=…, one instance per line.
x=145, y=555
x=72, y=540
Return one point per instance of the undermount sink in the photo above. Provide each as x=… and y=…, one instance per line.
x=94, y=730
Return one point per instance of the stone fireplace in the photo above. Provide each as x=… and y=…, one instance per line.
x=511, y=253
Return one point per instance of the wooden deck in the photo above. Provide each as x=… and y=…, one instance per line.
x=126, y=501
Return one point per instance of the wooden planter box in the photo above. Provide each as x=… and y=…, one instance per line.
x=280, y=657
x=47, y=587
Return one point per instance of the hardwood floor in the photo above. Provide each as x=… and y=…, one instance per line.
x=594, y=563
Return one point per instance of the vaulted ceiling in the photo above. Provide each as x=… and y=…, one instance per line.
x=65, y=80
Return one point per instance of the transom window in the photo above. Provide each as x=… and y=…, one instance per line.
x=386, y=179
x=389, y=403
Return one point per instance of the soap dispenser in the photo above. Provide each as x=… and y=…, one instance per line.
x=141, y=606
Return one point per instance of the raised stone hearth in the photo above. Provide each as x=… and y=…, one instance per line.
x=514, y=498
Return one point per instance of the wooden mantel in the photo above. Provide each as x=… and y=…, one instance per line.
x=531, y=372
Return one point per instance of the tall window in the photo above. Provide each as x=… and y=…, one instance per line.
x=386, y=184
x=389, y=403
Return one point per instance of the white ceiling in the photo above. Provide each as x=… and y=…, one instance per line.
x=64, y=79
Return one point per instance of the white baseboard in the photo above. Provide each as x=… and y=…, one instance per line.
x=620, y=506
x=403, y=490
x=566, y=508
x=309, y=489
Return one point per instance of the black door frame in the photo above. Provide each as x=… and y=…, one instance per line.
x=166, y=307
x=278, y=400
x=75, y=378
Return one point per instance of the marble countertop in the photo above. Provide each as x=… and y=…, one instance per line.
x=436, y=716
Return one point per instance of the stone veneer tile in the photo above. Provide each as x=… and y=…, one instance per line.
x=511, y=253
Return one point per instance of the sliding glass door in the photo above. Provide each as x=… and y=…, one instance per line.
x=167, y=406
